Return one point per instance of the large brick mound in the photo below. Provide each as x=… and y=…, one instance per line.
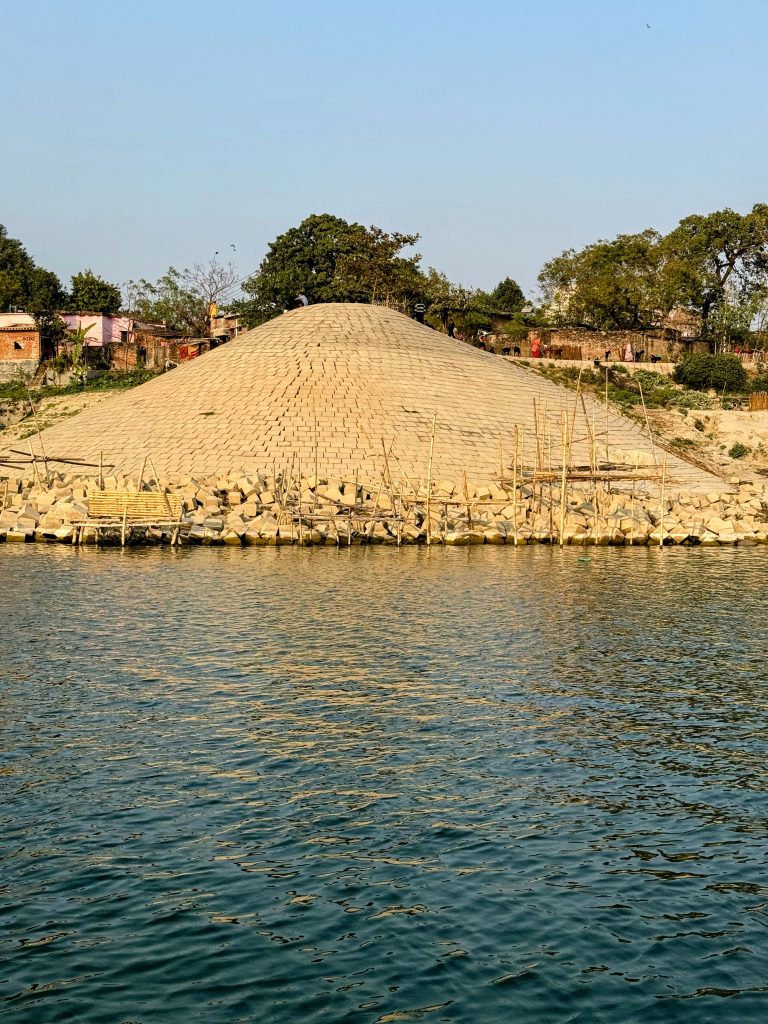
x=337, y=384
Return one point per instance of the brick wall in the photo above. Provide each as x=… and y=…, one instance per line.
x=594, y=344
x=22, y=345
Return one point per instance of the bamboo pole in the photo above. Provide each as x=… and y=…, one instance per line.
x=607, y=431
x=591, y=430
x=562, y=481
x=573, y=415
x=165, y=493
x=317, y=479
x=101, y=471
x=648, y=425
x=549, y=472
x=39, y=436
x=661, y=516
x=632, y=513
x=34, y=463
x=391, y=489
x=141, y=474
x=301, y=524
x=514, y=487
x=429, y=479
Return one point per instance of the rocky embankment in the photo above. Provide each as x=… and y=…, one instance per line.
x=258, y=510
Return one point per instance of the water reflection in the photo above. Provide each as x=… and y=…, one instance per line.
x=380, y=785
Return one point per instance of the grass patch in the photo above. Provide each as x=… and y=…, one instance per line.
x=738, y=450
x=113, y=380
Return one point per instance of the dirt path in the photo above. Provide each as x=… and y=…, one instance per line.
x=20, y=424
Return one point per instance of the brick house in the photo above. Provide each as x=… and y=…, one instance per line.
x=19, y=345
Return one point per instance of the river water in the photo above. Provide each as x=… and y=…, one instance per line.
x=381, y=785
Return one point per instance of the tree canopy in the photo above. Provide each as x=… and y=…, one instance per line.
x=26, y=286
x=92, y=294
x=183, y=299
x=717, y=259
x=608, y=285
x=714, y=266
x=507, y=296
x=330, y=260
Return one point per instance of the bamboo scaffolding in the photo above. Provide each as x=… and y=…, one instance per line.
x=429, y=479
x=50, y=458
x=514, y=489
x=39, y=436
x=34, y=463
x=563, y=478
x=607, y=427
x=648, y=424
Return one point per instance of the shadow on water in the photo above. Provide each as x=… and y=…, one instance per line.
x=379, y=785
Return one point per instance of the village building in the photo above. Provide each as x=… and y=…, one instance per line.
x=19, y=345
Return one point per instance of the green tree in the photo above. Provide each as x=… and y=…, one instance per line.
x=92, y=294
x=330, y=260
x=614, y=285
x=182, y=299
x=16, y=270
x=46, y=298
x=170, y=301
x=732, y=321
x=507, y=296
x=374, y=264
x=708, y=257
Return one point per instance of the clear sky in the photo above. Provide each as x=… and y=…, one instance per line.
x=142, y=134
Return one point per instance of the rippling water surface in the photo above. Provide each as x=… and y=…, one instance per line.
x=374, y=785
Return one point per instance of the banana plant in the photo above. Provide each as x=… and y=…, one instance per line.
x=77, y=338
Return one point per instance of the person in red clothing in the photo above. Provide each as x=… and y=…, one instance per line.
x=535, y=347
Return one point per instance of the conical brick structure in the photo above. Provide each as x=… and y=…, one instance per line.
x=335, y=385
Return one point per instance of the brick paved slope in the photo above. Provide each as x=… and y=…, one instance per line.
x=343, y=378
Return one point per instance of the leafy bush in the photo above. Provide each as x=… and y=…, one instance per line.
x=649, y=380
x=739, y=450
x=702, y=371
x=692, y=400
x=114, y=380
x=760, y=383
x=13, y=391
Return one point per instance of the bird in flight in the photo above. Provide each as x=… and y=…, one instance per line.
x=647, y=25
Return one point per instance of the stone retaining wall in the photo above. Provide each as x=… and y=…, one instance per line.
x=10, y=369
x=259, y=509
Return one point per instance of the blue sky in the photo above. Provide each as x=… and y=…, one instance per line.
x=141, y=135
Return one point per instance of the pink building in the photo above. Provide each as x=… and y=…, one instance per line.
x=102, y=329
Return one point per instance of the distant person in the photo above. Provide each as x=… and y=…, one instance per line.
x=536, y=348
x=628, y=357
x=301, y=300
x=418, y=312
x=451, y=328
